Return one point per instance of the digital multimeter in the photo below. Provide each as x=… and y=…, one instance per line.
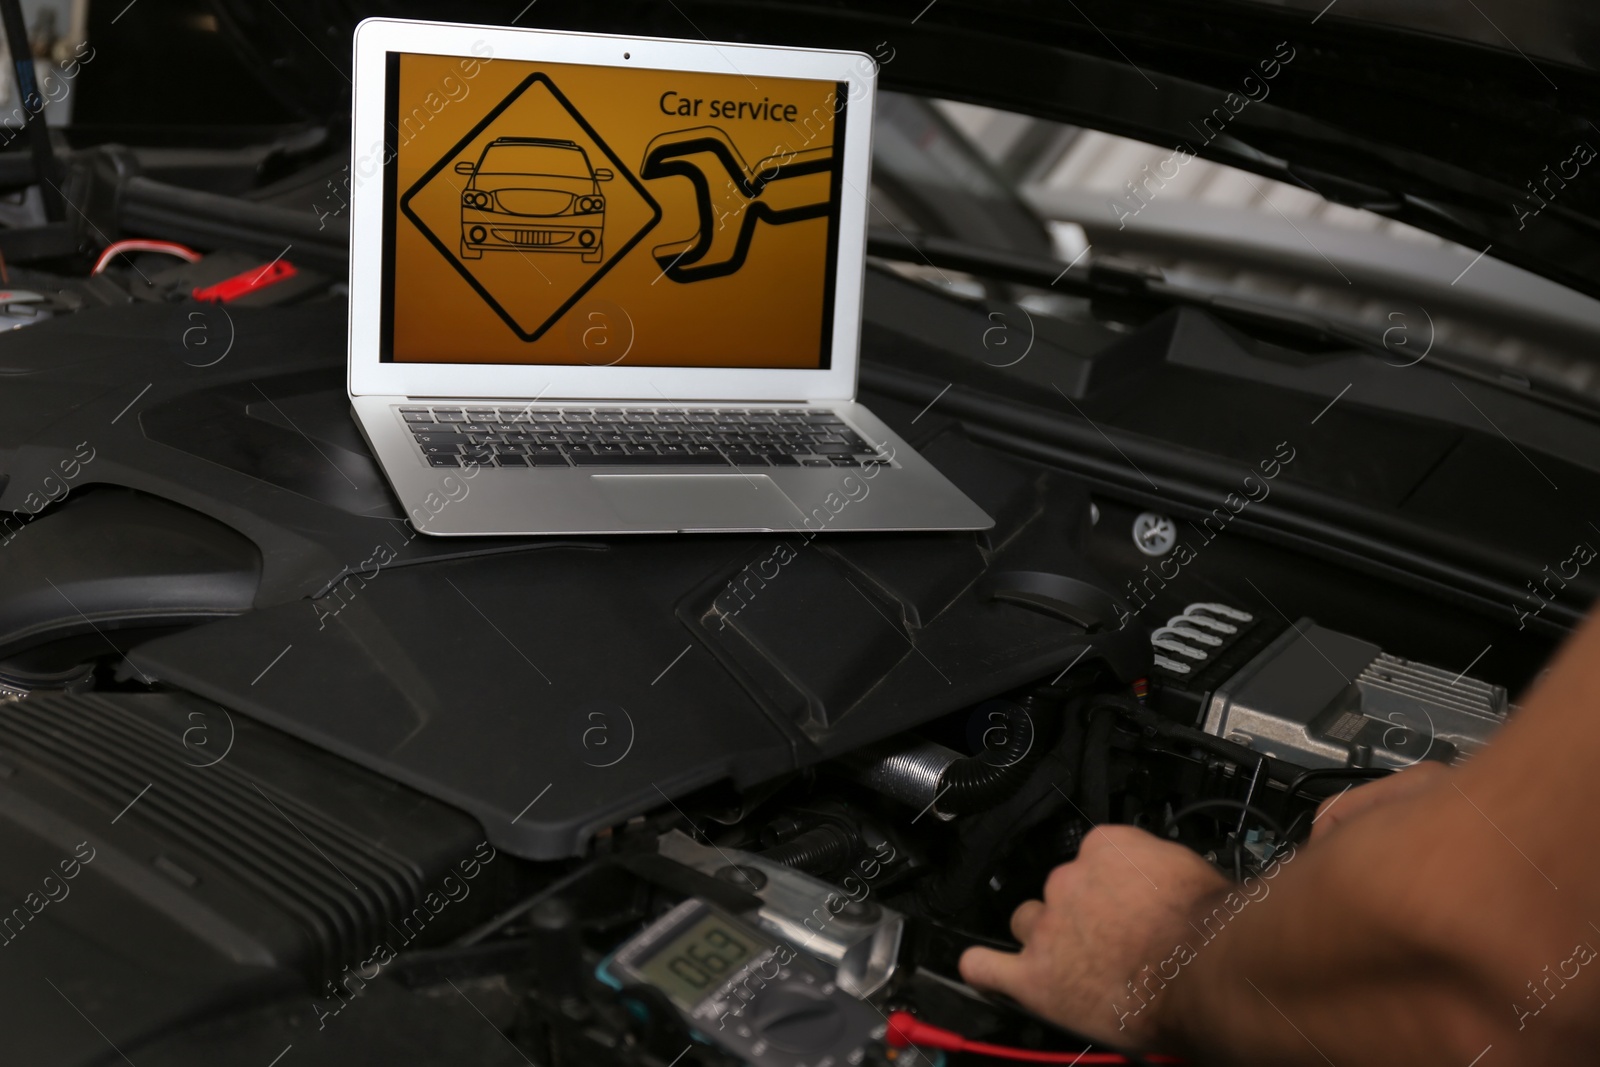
x=743, y=992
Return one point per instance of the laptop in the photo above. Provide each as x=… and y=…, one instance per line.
x=608, y=285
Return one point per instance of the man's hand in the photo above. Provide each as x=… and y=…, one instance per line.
x=1122, y=905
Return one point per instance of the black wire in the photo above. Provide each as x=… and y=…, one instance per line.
x=1320, y=774
x=1223, y=802
x=1334, y=772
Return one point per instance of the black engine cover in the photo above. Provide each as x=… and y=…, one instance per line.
x=549, y=687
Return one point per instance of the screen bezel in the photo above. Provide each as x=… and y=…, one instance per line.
x=370, y=375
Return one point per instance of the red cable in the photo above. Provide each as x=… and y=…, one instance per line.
x=906, y=1029
x=171, y=248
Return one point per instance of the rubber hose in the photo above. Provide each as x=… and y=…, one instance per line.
x=816, y=851
x=987, y=838
x=976, y=783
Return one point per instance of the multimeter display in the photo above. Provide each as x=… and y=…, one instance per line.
x=758, y=999
x=698, y=960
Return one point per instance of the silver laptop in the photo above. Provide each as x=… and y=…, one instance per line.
x=606, y=285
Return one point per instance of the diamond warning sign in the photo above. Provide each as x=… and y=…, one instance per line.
x=531, y=207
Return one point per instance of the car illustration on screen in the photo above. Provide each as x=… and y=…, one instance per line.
x=533, y=194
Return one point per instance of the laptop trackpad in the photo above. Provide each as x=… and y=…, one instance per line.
x=691, y=502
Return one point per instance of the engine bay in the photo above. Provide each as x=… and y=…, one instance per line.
x=709, y=800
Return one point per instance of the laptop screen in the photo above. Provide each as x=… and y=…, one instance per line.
x=549, y=213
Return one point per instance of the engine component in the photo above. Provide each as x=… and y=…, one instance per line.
x=816, y=851
x=1320, y=699
x=930, y=776
x=1196, y=635
x=245, y=855
x=839, y=925
x=164, y=565
x=1154, y=534
x=907, y=771
x=744, y=992
x=24, y=307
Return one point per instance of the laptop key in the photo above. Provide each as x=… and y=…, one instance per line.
x=512, y=461
x=416, y=416
x=815, y=461
x=546, y=460
x=440, y=450
x=444, y=461
x=778, y=459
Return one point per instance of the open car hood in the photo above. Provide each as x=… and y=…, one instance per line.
x=1436, y=118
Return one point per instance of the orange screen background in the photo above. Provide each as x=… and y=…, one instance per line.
x=771, y=311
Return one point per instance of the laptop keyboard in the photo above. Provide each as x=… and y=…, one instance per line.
x=523, y=437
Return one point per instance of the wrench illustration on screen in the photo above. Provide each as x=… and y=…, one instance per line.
x=732, y=197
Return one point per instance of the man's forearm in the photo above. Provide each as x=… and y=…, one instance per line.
x=1320, y=956
x=1432, y=926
